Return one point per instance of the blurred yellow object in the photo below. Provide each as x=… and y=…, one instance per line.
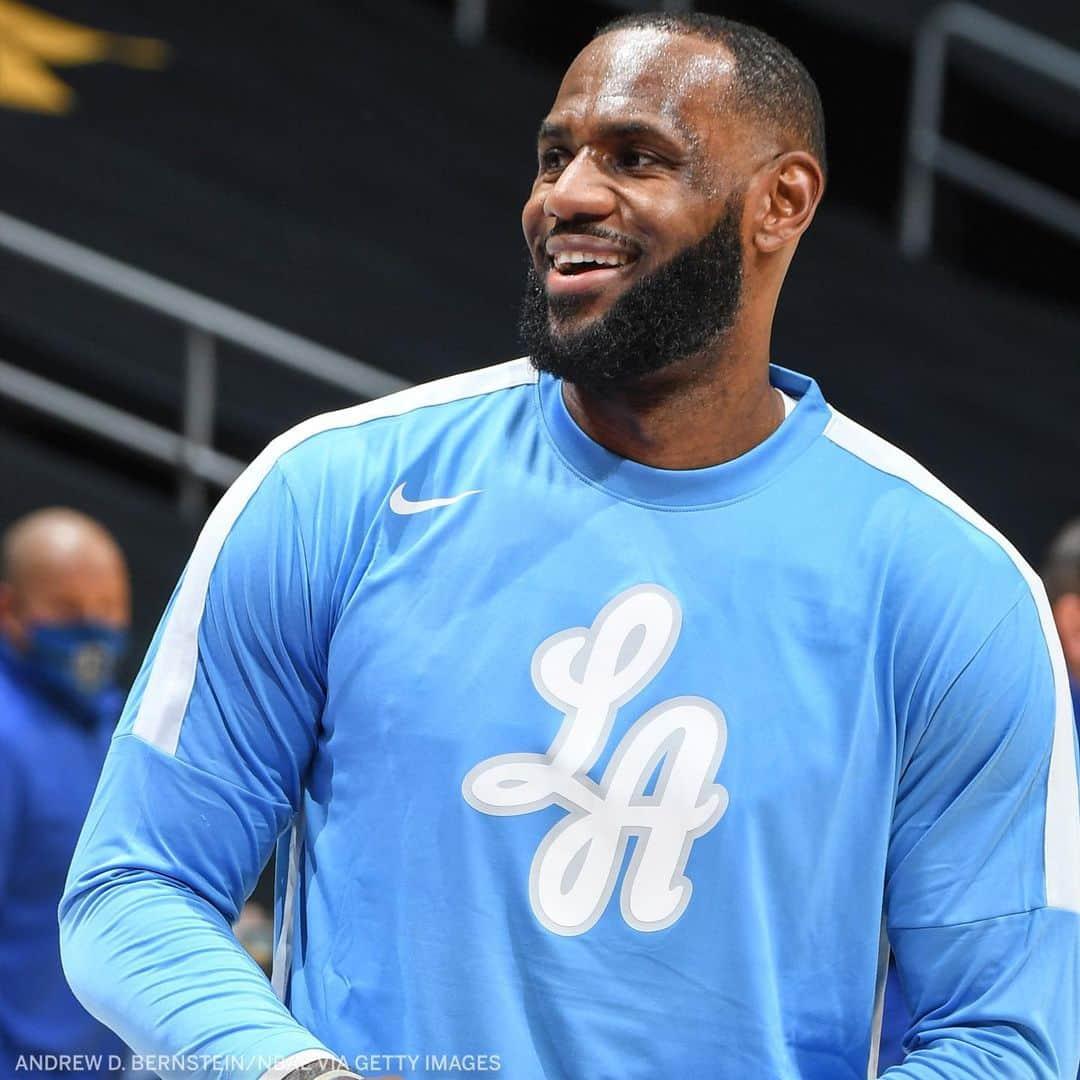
x=32, y=42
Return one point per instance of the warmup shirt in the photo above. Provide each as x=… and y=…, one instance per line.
x=49, y=764
x=585, y=770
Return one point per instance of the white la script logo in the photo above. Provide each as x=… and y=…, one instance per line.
x=588, y=673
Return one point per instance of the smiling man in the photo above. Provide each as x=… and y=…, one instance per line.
x=617, y=709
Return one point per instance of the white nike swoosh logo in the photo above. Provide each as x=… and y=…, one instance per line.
x=400, y=505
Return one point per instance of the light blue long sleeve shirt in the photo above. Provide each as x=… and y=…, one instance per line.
x=588, y=768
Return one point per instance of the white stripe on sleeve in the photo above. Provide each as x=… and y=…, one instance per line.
x=1061, y=837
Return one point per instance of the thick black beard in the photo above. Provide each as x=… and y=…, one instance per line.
x=671, y=314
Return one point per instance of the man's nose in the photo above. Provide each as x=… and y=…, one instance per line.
x=582, y=190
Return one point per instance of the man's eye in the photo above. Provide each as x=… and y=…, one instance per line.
x=636, y=159
x=553, y=159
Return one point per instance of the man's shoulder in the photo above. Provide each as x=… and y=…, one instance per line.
x=426, y=407
x=929, y=531
x=337, y=468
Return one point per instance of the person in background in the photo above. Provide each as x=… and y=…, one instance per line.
x=1061, y=575
x=65, y=611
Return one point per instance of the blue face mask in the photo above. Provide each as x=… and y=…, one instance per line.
x=76, y=664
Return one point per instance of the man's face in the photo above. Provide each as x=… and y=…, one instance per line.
x=636, y=209
x=91, y=587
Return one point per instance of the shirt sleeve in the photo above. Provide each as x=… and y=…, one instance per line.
x=203, y=775
x=981, y=905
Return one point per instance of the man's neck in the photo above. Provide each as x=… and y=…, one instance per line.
x=690, y=416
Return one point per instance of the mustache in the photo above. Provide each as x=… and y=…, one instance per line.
x=599, y=232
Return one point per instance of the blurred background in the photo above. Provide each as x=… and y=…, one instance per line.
x=218, y=219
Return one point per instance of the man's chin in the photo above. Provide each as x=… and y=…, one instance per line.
x=568, y=316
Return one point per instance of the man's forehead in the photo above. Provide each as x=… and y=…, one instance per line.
x=636, y=72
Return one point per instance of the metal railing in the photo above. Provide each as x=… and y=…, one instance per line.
x=205, y=322
x=929, y=152
x=471, y=16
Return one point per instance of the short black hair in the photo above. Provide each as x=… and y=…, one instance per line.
x=1061, y=571
x=770, y=81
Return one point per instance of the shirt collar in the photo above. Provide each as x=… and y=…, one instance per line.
x=687, y=488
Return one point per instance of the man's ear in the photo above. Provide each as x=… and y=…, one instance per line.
x=786, y=193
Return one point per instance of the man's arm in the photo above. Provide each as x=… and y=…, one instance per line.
x=203, y=775
x=981, y=896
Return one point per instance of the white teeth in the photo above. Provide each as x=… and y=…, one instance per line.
x=571, y=258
